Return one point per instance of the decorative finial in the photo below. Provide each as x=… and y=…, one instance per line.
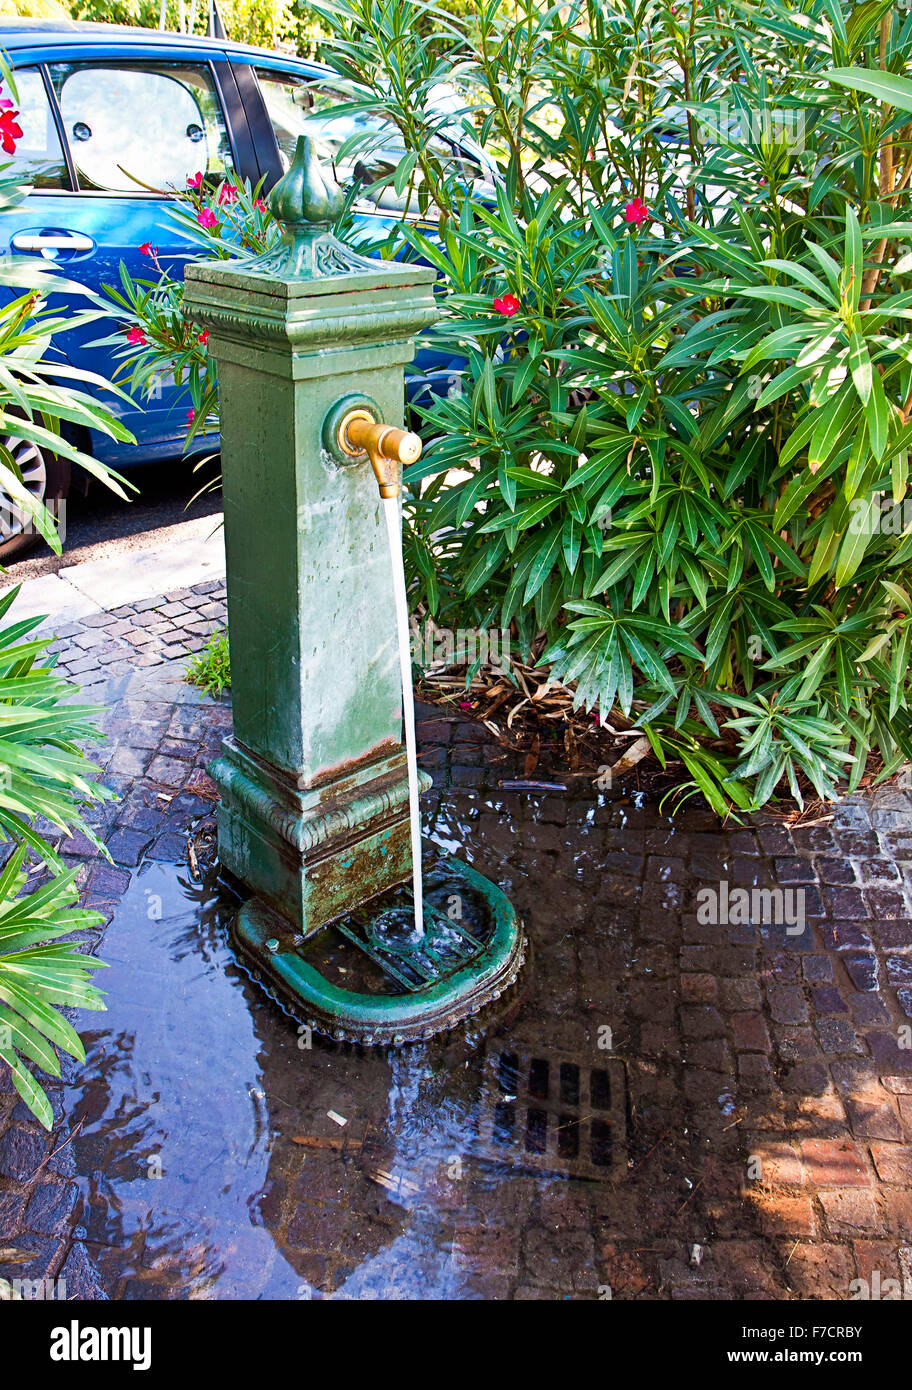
x=305, y=202
x=304, y=193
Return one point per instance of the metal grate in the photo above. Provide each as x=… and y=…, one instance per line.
x=555, y=1113
x=448, y=946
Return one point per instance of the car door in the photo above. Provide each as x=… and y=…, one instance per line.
x=120, y=137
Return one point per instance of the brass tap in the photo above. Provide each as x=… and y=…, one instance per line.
x=385, y=446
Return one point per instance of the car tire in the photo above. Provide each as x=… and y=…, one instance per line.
x=47, y=478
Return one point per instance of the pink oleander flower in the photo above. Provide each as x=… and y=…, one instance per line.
x=206, y=218
x=203, y=337
x=136, y=336
x=227, y=193
x=191, y=416
x=260, y=205
x=636, y=212
x=195, y=180
x=146, y=249
x=507, y=305
x=10, y=130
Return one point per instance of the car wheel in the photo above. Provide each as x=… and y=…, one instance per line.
x=47, y=478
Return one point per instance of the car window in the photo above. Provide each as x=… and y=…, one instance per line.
x=134, y=128
x=39, y=157
x=302, y=106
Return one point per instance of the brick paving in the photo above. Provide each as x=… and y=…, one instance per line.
x=138, y=635
x=769, y=1067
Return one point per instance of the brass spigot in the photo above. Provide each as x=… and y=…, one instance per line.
x=385, y=446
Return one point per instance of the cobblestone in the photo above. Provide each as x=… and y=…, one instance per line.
x=104, y=645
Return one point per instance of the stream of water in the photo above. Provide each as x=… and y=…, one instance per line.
x=394, y=533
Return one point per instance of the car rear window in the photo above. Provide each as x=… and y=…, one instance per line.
x=141, y=128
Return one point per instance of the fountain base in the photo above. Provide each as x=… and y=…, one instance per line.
x=368, y=978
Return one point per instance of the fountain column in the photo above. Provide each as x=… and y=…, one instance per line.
x=311, y=341
x=314, y=814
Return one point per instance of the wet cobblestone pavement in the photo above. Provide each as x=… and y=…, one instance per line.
x=739, y=1094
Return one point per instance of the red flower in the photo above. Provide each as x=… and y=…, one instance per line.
x=260, y=205
x=147, y=249
x=191, y=416
x=227, y=193
x=203, y=337
x=206, y=218
x=507, y=304
x=466, y=704
x=195, y=180
x=135, y=335
x=636, y=212
x=10, y=131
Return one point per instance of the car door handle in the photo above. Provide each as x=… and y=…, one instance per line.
x=51, y=241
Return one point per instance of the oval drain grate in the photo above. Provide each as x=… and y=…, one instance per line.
x=554, y=1113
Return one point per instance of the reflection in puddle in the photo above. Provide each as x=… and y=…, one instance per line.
x=223, y=1153
x=175, y=1132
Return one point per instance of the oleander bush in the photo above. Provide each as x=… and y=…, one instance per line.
x=677, y=462
x=43, y=400
x=219, y=221
x=46, y=781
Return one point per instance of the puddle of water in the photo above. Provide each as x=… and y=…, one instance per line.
x=175, y=1132
x=193, y=1094
x=212, y=1152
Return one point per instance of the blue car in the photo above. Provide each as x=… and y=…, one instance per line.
x=112, y=115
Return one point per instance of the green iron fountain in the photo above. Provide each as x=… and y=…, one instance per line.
x=318, y=816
